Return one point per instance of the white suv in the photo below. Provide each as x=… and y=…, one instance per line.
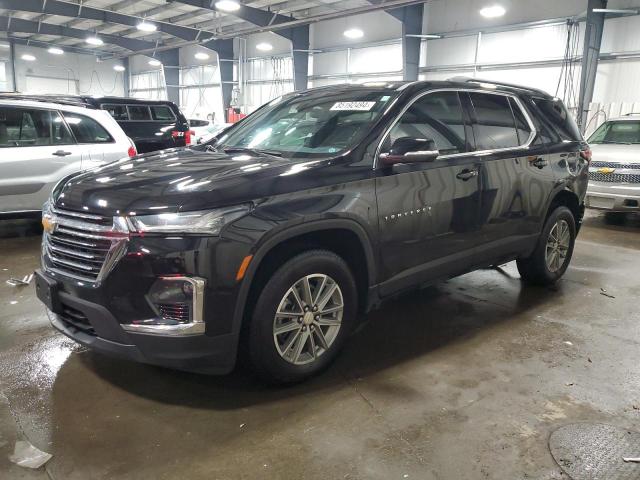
x=42, y=142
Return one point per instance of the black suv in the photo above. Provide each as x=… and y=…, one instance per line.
x=315, y=208
x=151, y=124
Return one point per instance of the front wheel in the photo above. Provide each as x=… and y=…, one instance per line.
x=302, y=317
x=553, y=252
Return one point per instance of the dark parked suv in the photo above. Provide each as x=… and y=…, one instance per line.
x=315, y=208
x=151, y=124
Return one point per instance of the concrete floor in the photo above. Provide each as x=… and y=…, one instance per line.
x=464, y=380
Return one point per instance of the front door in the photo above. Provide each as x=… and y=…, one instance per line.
x=428, y=212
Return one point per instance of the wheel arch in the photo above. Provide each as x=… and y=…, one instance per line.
x=570, y=200
x=342, y=236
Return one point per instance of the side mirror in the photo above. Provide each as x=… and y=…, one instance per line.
x=410, y=150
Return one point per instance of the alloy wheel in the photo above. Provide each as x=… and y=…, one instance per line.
x=558, y=244
x=308, y=319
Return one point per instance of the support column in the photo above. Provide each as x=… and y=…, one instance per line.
x=224, y=49
x=592, y=42
x=126, y=76
x=300, y=54
x=171, y=65
x=411, y=19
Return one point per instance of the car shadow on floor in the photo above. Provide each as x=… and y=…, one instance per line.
x=30, y=227
x=414, y=325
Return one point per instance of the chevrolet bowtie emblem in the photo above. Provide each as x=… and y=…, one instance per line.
x=49, y=224
x=606, y=170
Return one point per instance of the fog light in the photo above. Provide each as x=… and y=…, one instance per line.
x=178, y=305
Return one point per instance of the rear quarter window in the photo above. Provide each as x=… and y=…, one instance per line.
x=162, y=113
x=555, y=114
x=139, y=112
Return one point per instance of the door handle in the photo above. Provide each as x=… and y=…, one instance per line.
x=61, y=153
x=538, y=162
x=467, y=174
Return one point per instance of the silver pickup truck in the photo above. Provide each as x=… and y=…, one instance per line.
x=614, y=175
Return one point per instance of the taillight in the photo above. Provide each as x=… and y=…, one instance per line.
x=586, y=154
x=188, y=136
x=132, y=151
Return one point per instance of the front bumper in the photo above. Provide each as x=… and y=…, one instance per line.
x=613, y=197
x=93, y=326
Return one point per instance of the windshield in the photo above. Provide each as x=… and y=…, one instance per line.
x=309, y=126
x=624, y=132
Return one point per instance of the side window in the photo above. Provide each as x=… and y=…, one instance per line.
x=139, y=112
x=162, y=113
x=119, y=112
x=436, y=116
x=495, y=126
x=555, y=113
x=522, y=126
x=87, y=130
x=24, y=127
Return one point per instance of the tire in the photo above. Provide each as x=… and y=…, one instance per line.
x=298, y=351
x=543, y=269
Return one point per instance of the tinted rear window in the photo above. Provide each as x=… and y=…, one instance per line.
x=87, y=130
x=119, y=112
x=139, y=112
x=557, y=115
x=495, y=126
x=198, y=123
x=162, y=113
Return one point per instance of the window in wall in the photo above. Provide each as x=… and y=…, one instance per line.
x=435, y=116
x=495, y=126
x=87, y=130
x=21, y=127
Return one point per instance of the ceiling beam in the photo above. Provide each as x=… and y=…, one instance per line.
x=18, y=25
x=66, y=48
x=75, y=10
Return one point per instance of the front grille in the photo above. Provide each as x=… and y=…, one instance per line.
x=82, y=246
x=175, y=311
x=599, y=164
x=614, y=177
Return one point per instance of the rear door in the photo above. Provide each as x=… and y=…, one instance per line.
x=516, y=177
x=428, y=212
x=92, y=138
x=36, y=151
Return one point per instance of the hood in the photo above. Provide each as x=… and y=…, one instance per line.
x=180, y=179
x=608, y=152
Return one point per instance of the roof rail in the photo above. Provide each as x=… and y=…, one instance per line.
x=71, y=100
x=494, y=82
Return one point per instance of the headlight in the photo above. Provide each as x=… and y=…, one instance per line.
x=208, y=222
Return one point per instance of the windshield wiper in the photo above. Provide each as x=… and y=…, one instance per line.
x=273, y=153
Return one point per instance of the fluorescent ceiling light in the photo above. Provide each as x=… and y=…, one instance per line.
x=4, y=45
x=146, y=27
x=264, y=47
x=227, y=5
x=202, y=56
x=28, y=58
x=119, y=68
x=55, y=51
x=155, y=63
x=493, y=11
x=353, y=33
x=94, y=41
x=428, y=36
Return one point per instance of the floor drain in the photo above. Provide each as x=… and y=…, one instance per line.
x=594, y=451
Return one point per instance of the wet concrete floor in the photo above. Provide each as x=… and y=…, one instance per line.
x=463, y=380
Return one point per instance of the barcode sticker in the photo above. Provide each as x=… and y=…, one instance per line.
x=354, y=106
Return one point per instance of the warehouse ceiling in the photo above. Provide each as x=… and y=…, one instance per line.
x=205, y=22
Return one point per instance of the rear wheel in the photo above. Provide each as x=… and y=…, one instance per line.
x=302, y=317
x=553, y=253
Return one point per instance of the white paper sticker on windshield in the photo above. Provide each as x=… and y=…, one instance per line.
x=354, y=106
